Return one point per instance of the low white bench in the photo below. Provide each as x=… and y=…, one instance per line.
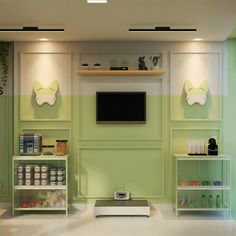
x=122, y=208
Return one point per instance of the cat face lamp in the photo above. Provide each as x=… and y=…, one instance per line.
x=196, y=95
x=45, y=95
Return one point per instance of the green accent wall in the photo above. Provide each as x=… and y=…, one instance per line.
x=6, y=134
x=133, y=157
x=229, y=126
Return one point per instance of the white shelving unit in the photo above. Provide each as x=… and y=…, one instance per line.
x=189, y=168
x=17, y=190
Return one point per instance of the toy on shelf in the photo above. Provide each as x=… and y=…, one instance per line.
x=212, y=147
x=183, y=183
x=195, y=183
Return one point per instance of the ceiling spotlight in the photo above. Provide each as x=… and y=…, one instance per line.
x=97, y=1
x=163, y=29
x=197, y=39
x=31, y=29
x=43, y=39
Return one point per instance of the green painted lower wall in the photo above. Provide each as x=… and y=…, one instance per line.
x=229, y=112
x=4, y=151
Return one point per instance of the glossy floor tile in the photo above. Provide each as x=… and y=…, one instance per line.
x=81, y=222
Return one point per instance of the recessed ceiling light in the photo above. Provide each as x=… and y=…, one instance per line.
x=197, y=39
x=43, y=39
x=97, y=1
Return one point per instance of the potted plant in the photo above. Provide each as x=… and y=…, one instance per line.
x=4, y=63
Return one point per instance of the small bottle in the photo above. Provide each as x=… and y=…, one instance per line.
x=189, y=147
x=193, y=147
x=197, y=147
x=203, y=200
x=202, y=147
x=210, y=201
x=218, y=202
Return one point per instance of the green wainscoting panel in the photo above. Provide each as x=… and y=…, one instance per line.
x=139, y=170
x=90, y=130
x=31, y=111
x=230, y=116
x=4, y=152
x=182, y=111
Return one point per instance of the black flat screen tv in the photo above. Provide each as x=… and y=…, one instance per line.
x=121, y=107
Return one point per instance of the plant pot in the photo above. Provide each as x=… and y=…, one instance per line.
x=155, y=68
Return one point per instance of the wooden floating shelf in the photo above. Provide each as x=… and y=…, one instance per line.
x=121, y=72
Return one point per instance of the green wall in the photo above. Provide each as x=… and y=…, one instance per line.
x=6, y=134
x=138, y=158
x=229, y=126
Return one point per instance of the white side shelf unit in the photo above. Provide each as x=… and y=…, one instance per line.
x=38, y=194
x=203, y=183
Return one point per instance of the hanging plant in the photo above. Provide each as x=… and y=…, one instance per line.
x=4, y=61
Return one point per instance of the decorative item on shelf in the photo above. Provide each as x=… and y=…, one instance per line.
x=218, y=201
x=30, y=144
x=196, y=95
x=61, y=148
x=125, y=63
x=85, y=66
x=206, y=183
x=186, y=202
x=210, y=201
x=154, y=60
x=217, y=183
x=203, y=201
x=183, y=183
x=45, y=95
x=212, y=147
x=113, y=64
x=196, y=147
x=48, y=149
x=97, y=66
x=142, y=65
x=195, y=183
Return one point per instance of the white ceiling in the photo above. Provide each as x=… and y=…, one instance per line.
x=214, y=19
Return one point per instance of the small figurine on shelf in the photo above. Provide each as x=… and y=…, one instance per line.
x=212, y=147
x=142, y=65
x=155, y=60
x=85, y=66
x=97, y=66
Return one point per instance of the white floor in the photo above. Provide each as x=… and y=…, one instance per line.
x=162, y=222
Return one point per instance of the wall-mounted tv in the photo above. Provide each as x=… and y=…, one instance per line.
x=121, y=107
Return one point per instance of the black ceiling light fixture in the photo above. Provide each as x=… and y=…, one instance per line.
x=31, y=29
x=163, y=29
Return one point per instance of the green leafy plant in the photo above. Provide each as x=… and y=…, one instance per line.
x=4, y=61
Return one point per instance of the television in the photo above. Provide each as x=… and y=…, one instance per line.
x=120, y=107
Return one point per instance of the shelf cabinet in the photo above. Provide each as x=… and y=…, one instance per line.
x=40, y=183
x=203, y=183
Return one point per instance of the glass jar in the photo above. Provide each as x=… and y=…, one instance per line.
x=61, y=149
x=48, y=149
